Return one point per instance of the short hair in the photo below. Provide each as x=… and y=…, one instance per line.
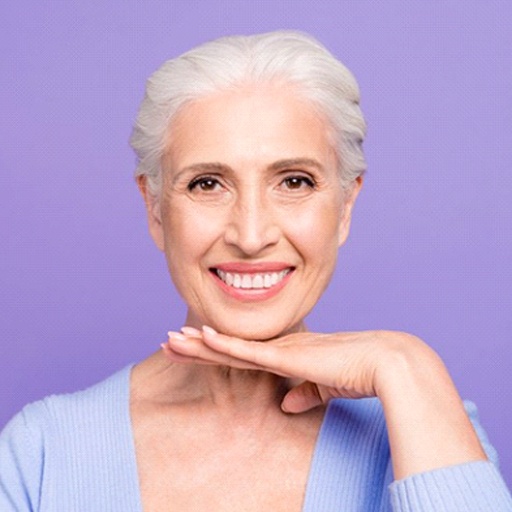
x=282, y=56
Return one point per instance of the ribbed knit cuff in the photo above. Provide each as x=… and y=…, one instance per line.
x=470, y=487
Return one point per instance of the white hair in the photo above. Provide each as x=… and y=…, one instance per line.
x=284, y=56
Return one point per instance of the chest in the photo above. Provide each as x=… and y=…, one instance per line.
x=189, y=468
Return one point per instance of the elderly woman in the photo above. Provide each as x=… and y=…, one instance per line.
x=250, y=163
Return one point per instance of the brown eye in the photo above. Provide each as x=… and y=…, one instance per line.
x=298, y=182
x=206, y=184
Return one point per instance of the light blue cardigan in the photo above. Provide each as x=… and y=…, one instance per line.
x=75, y=453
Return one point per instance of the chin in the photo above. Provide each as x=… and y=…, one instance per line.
x=255, y=325
x=250, y=331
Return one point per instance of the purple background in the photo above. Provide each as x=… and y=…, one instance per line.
x=83, y=290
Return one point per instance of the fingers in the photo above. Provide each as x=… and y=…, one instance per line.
x=191, y=331
x=296, y=355
x=175, y=357
x=302, y=398
x=287, y=356
x=339, y=364
x=190, y=348
x=263, y=354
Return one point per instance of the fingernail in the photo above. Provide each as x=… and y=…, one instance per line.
x=164, y=346
x=176, y=336
x=209, y=330
x=190, y=331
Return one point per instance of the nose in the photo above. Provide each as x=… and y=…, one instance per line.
x=253, y=225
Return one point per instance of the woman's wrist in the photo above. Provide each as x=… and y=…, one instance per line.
x=427, y=424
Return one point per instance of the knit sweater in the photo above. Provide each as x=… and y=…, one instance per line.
x=76, y=453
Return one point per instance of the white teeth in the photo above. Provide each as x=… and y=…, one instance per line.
x=252, y=281
x=257, y=281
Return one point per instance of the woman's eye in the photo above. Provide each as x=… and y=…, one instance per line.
x=206, y=184
x=298, y=182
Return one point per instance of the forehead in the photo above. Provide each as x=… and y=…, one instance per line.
x=250, y=126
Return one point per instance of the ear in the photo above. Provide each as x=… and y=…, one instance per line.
x=153, y=212
x=346, y=217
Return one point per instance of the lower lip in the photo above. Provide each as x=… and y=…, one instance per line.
x=252, y=295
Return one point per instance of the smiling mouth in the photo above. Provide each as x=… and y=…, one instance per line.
x=253, y=281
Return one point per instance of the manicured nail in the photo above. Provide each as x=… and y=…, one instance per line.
x=190, y=331
x=176, y=336
x=209, y=330
x=164, y=346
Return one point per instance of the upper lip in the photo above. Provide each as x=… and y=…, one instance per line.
x=253, y=268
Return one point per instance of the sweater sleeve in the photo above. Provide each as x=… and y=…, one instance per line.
x=472, y=487
x=21, y=464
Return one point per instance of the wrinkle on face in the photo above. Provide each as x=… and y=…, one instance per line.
x=246, y=139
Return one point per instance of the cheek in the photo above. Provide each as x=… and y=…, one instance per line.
x=315, y=230
x=188, y=233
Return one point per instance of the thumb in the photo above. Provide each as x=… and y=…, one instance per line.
x=301, y=398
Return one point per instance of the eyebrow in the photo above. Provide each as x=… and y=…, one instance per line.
x=296, y=162
x=208, y=167
x=216, y=167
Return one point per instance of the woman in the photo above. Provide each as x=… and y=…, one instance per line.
x=250, y=163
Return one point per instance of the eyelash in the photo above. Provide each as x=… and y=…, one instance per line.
x=213, y=181
x=302, y=179
x=196, y=182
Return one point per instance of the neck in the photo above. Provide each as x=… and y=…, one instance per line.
x=230, y=387
x=223, y=388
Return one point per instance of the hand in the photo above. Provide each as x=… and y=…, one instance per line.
x=427, y=425
x=331, y=365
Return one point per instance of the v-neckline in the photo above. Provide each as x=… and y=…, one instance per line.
x=313, y=471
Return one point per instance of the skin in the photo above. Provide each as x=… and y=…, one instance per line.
x=231, y=194
x=251, y=214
